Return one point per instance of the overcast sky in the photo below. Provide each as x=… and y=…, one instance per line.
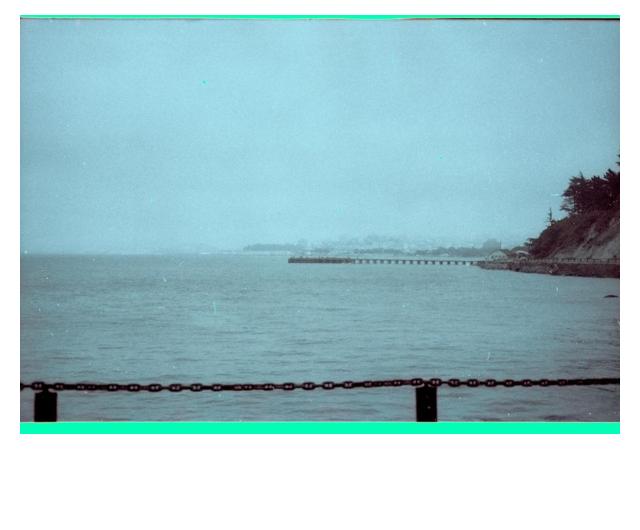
x=146, y=135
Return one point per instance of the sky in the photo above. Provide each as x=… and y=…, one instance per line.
x=181, y=135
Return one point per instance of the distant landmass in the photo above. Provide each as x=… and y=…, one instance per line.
x=261, y=247
x=487, y=248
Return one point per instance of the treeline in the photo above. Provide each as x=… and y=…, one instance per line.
x=598, y=193
x=591, y=205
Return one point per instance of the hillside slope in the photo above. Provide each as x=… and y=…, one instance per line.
x=587, y=235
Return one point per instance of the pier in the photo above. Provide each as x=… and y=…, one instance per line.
x=382, y=261
x=591, y=267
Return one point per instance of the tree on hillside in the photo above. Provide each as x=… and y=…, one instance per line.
x=598, y=198
x=573, y=196
x=595, y=194
x=550, y=219
x=612, y=180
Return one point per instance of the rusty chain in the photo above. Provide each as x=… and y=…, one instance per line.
x=327, y=385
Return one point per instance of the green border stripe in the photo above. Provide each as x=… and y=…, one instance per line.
x=320, y=428
x=349, y=17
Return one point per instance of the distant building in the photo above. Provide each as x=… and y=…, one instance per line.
x=491, y=244
x=497, y=255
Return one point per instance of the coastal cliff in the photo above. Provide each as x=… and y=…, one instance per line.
x=592, y=235
x=586, y=242
x=580, y=245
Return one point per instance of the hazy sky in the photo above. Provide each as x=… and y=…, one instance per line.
x=147, y=135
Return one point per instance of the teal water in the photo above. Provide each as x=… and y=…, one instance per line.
x=240, y=318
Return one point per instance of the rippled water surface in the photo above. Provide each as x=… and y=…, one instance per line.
x=259, y=319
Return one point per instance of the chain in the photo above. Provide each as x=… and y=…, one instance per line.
x=327, y=385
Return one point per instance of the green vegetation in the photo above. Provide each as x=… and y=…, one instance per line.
x=594, y=194
x=593, y=208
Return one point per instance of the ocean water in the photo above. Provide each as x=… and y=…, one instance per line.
x=255, y=319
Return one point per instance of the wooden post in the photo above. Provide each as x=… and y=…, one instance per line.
x=426, y=403
x=45, y=406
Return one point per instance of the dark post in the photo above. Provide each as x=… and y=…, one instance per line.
x=426, y=403
x=45, y=407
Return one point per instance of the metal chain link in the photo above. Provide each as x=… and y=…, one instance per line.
x=327, y=385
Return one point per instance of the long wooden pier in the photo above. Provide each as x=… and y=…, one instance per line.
x=497, y=263
x=382, y=261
